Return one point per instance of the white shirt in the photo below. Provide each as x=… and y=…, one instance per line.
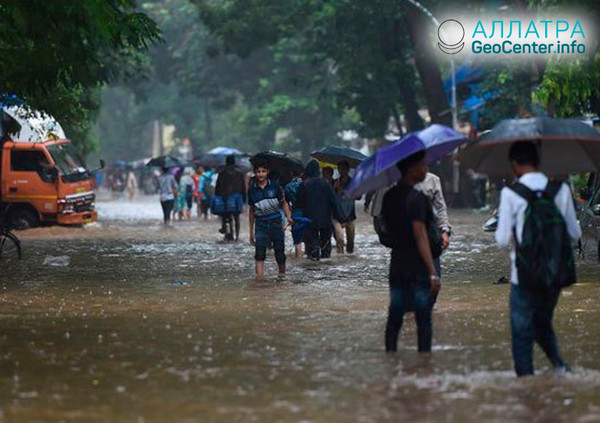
x=511, y=214
x=432, y=188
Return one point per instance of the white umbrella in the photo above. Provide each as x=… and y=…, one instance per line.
x=34, y=126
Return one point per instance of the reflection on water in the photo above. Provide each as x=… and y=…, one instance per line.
x=152, y=324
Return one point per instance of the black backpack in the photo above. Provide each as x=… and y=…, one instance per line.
x=545, y=259
x=386, y=238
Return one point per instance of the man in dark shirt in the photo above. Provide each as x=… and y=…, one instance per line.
x=317, y=199
x=413, y=278
x=266, y=201
x=232, y=188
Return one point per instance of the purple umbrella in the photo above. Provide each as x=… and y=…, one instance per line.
x=380, y=170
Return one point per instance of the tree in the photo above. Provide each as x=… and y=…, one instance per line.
x=56, y=54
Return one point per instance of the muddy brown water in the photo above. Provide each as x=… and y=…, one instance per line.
x=126, y=321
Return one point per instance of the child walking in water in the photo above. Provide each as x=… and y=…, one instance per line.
x=266, y=200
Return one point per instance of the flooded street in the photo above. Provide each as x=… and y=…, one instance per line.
x=128, y=321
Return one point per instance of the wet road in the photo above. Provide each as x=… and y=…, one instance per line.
x=127, y=321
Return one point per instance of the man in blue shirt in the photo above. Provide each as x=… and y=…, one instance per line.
x=266, y=201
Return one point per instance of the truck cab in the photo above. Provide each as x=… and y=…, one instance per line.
x=45, y=183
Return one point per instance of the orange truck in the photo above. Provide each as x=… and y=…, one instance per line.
x=45, y=182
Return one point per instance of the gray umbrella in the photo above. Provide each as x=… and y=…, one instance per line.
x=566, y=146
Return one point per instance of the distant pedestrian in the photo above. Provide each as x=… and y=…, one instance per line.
x=316, y=198
x=328, y=174
x=206, y=192
x=179, y=205
x=346, y=212
x=232, y=188
x=413, y=278
x=132, y=185
x=196, y=177
x=167, y=192
x=266, y=201
x=540, y=214
x=186, y=194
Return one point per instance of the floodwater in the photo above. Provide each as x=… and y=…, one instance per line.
x=127, y=321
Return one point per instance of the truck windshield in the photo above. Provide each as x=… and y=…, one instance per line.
x=68, y=162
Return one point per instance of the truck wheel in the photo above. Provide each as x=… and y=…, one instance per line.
x=23, y=218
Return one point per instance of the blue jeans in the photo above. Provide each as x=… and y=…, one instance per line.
x=266, y=232
x=531, y=319
x=409, y=292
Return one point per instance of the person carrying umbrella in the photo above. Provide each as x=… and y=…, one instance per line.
x=407, y=224
x=538, y=215
x=346, y=213
x=413, y=278
x=266, y=201
x=316, y=198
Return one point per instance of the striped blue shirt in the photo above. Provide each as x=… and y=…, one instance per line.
x=267, y=201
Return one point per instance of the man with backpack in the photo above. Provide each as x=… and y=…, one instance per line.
x=538, y=215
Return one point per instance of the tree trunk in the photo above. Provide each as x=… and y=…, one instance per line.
x=393, y=50
x=411, y=108
x=397, y=120
x=431, y=79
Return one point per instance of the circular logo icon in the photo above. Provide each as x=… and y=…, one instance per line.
x=451, y=34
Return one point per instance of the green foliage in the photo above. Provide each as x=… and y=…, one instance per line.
x=572, y=88
x=514, y=85
x=55, y=54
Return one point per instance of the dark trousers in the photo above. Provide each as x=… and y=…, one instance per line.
x=227, y=222
x=409, y=291
x=531, y=320
x=167, y=207
x=318, y=242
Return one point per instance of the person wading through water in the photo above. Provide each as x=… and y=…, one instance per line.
x=316, y=198
x=413, y=278
x=266, y=200
x=540, y=214
x=232, y=188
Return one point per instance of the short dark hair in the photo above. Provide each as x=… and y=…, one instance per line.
x=344, y=163
x=524, y=153
x=230, y=160
x=404, y=165
x=260, y=162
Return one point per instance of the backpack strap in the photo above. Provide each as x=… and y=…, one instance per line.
x=522, y=191
x=553, y=188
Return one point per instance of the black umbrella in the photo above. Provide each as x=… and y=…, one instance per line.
x=566, y=146
x=280, y=165
x=334, y=155
x=167, y=161
x=217, y=161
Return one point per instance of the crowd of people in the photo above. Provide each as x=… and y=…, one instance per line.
x=409, y=217
x=317, y=204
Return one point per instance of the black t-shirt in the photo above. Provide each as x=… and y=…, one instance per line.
x=403, y=205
